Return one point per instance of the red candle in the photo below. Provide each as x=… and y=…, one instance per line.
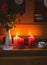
x=18, y=42
x=30, y=41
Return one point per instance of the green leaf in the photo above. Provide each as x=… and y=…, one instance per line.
x=7, y=27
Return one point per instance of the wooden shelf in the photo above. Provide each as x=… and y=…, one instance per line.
x=23, y=52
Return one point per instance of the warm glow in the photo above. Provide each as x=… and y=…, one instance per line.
x=16, y=37
x=16, y=34
x=27, y=30
x=32, y=36
x=29, y=34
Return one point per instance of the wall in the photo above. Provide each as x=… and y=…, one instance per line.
x=27, y=23
x=35, y=29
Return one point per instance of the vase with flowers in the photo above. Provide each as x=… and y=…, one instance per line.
x=8, y=21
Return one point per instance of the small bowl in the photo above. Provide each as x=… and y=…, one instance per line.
x=41, y=44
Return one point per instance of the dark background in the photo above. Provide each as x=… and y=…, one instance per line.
x=12, y=7
x=40, y=8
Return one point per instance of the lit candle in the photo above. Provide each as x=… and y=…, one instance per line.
x=30, y=41
x=18, y=42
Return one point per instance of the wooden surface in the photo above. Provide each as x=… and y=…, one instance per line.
x=27, y=56
x=23, y=52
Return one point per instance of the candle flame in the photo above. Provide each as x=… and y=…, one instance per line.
x=17, y=35
x=30, y=34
